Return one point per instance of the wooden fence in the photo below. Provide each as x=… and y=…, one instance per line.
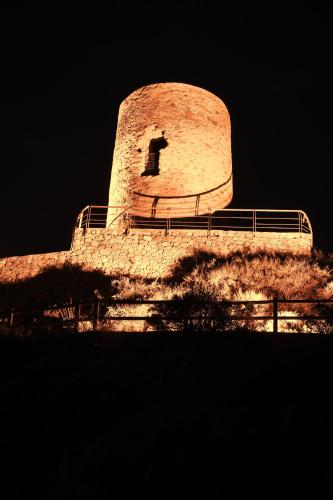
x=184, y=315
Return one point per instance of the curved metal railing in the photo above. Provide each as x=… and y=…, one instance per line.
x=233, y=219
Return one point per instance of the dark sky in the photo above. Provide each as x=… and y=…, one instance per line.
x=65, y=72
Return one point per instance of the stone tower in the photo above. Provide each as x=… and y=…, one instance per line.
x=171, y=162
x=172, y=153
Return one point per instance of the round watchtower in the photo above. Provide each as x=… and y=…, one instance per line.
x=172, y=153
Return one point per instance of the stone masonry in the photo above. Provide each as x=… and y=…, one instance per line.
x=194, y=173
x=172, y=158
x=147, y=253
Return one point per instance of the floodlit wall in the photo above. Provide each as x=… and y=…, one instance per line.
x=172, y=150
x=26, y=266
x=172, y=158
x=148, y=253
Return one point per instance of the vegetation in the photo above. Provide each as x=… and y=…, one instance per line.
x=194, y=285
x=202, y=278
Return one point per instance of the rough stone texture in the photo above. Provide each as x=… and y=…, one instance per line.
x=27, y=266
x=194, y=177
x=153, y=254
x=197, y=159
x=149, y=253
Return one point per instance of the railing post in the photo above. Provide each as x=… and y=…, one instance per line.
x=254, y=221
x=96, y=315
x=80, y=220
x=77, y=315
x=128, y=221
x=168, y=221
x=209, y=220
x=299, y=222
x=88, y=216
x=275, y=315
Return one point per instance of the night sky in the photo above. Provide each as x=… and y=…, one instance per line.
x=65, y=72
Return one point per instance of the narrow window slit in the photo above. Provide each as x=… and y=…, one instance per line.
x=153, y=158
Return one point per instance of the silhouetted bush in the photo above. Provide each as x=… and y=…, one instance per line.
x=56, y=286
x=190, y=314
x=198, y=284
x=206, y=277
x=64, y=287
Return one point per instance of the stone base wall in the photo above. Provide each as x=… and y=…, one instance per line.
x=153, y=253
x=27, y=266
x=149, y=253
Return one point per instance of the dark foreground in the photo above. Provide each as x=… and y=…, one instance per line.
x=162, y=416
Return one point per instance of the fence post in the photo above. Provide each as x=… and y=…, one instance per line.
x=96, y=315
x=275, y=315
x=209, y=220
x=11, y=317
x=77, y=315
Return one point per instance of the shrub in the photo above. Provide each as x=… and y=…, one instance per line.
x=198, y=285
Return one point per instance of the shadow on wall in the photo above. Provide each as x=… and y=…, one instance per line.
x=68, y=284
x=195, y=308
x=204, y=279
x=208, y=261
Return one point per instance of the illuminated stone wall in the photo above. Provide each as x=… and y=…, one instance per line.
x=190, y=173
x=26, y=266
x=194, y=164
x=151, y=253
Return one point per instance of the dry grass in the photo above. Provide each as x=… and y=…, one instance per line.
x=243, y=276
x=196, y=281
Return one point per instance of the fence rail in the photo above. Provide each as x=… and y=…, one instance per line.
x=253, y=220
x=71, y=316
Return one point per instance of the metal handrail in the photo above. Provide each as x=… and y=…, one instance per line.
x=184, y=196
x=238, y=219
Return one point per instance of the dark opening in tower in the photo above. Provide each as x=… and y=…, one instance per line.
x=153, y=158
